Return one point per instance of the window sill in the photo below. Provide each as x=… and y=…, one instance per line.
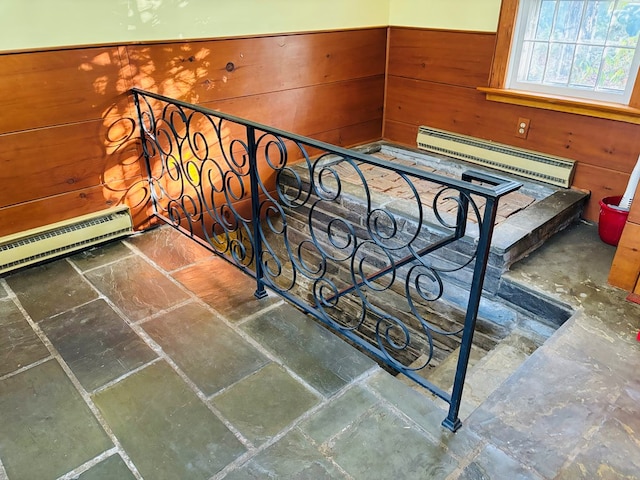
x=610, y=111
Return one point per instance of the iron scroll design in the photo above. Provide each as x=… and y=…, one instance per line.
x=310, y=222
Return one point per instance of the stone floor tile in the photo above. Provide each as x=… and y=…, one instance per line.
x=613, y=450
x=3, y=292
x=320, y=357
x=164, y=427
x=208, y=351
x=113, y=468
x=96, y=343
x=169, y=248
x=338, y=414
x=613, y=453
x=223, y=287
x=136, y=288
x=444, y=374
x=384, y=446
x=487, y=376
x=19, y=345
x=292, y=456
x=588, y=341
x=425, y=412
x=47, y=429
x=493, y=464
x=538, y=416
x=50, y=289
x=263, y=404
x=410, y=402
x=100, y=255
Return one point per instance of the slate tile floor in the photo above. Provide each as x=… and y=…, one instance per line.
x=150, y=358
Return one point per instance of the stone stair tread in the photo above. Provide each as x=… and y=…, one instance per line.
x=497, y=366
x=443, y=375
x=486, y=372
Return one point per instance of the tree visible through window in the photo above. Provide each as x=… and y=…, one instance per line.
x=579, y=48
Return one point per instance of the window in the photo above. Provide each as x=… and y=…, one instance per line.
x=580, y=48
x=608, y=89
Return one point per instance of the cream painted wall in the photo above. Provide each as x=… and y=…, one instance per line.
x=26, y=24
x=476, y=15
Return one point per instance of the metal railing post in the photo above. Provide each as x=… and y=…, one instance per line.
x=452, y=422
x=255, y=212
x=179, y=193
x=145, y=152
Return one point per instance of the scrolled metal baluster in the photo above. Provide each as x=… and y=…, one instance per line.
x=348, y=261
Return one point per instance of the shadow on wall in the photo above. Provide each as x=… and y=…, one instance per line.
x=124, y=178
x=199, y=164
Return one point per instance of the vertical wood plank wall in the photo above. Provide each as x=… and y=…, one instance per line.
x=67, y=134
x=432, y=80
x=625, y=270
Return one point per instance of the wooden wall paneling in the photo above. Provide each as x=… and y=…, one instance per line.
x=24, y=216
x=601, y=182
x=625, y=269
x=605, y=150
x=70, y=124
x=453, y=58
x=593, y=141
x=133, y=192
x=400, y=132
x=345, y=121
x=201, y=72
x=314, y=109
x=352, y=135
x=50, y=161
x=41, y=89
x=456, y=109
x=634, y=213
x=44, y=211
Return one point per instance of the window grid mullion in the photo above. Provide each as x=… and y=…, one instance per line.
x=577, y=42
x=600, y=69
x=553, y=27
x=533, y=40
x=535, y=17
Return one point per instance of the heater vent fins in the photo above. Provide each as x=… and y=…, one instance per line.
x=526, y=163
x=25, y=248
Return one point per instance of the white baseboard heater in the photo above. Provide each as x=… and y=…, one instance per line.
x=526, y=163
x=43, y=243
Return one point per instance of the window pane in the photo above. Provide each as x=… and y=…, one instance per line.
x=567, y=20
x=538, y=62
x=525, y=60
x=559, y=63
x=580, y=48
x=625, y=24
x=586, y=66
x=595, y=24
x=545, y=20
x=615, y=69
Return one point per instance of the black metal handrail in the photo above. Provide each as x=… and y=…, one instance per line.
x=278, y=206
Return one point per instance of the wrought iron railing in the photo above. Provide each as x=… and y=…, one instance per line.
x=300, y=216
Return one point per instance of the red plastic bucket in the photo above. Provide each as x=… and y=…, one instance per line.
x=611, y=221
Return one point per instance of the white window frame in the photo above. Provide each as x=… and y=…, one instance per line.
x=525, y=10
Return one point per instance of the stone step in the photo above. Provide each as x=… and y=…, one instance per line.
x=493, y=370
x=541, y=306
x=486, y=371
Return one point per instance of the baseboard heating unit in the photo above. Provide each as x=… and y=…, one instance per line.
x=526, y=163
x=43, y=243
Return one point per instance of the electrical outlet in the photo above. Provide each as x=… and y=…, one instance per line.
x=522, y=129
